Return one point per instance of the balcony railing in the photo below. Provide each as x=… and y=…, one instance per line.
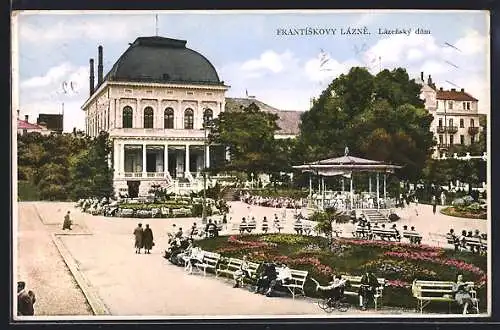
x=473, y=130
x=447, y=129
x=443, y=146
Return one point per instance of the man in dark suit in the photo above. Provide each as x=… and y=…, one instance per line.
x=25, y=300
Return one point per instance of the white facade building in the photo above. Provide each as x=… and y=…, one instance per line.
x=153, y=103
x=456, y=116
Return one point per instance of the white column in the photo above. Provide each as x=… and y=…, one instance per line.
x=116, y=159
x=323, y=192
x=121, y=158
x=378, y=193
x=342, y=184
x=385, y=189
x=186, y=165
x=165, y=159
x=207, y=156
x=352, y=194
x=144, y=160
x=370, y=184
x=310, y=185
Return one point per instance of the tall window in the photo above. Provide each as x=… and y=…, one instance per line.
x=450, y=122
x=468, y=105
x=207, y=115
x=188, y=119
x=440, y=139
x=127, y=117
x=472, y=123
x=472, y=139
x=461, y=123
x=462, y=139
x=450, y=104
x=148, y=117
x=451, y=140
x=168, y=118
x=440, y=122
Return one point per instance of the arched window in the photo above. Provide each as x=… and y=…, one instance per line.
x=127, y=117
x=168, y=118
x=207, y=116
x=472, y=123
x=188, y=119
x=148, y=117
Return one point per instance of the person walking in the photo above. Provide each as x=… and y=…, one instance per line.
x=147, y=239
x=138, y=232
x=25, y=300
x=67, y=222
x=434, y=204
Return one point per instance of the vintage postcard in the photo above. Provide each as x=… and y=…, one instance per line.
x=251, y=164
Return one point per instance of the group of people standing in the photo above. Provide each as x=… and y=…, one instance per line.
x=143, y=239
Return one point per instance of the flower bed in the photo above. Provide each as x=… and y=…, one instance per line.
x=465, y=212
x=399, y=263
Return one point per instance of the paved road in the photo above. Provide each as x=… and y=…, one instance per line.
x=147, y=285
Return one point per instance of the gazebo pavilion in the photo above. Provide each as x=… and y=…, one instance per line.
x=346, y=166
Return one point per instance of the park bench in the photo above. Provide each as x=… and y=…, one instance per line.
x=242, y=227
x=355, y=284
x=412, y=236
x=210, y=260
x=302, y=228
x=295, y=284
x=384, y=233
x=362, y=232
x=231, y=265
x=428, y=291
x=126, y=212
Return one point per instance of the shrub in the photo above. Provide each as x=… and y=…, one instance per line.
x=393, y=217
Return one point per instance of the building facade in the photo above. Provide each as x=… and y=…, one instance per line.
x=25, y=127
x=456, y=116
x=153, y=103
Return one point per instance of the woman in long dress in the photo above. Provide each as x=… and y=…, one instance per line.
x=138, y=233
x=147, y=239
x=462, y=294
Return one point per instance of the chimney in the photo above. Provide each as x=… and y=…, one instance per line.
x=462, y=90
x=453, y=90
x=429, y=81
x=91, y=78
x=26, y=118
x=422, y=75
x=18, y=111
x=99, y=66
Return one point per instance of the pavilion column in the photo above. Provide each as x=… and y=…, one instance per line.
x=323, y=192
x=352, y=194
x=207, y=156
x=121, y=158
x=342, y=184
x=310, y=185
x=370, y=184
x=385, y=189
x=378, y=191
x=144, y=160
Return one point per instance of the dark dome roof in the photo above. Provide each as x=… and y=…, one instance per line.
x=164, y=60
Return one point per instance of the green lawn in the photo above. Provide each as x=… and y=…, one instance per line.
x=399, y=263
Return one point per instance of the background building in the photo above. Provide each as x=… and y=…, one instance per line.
x=456, y=116
x=25, y=127
x=53, y=122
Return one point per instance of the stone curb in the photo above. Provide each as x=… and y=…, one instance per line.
x=95, y=302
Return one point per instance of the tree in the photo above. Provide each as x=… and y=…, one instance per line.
x=249, y=137
x=324, y=221
x=378, y=117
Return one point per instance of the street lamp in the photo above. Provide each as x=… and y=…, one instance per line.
x=205, y=143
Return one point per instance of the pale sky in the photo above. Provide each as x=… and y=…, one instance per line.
x=248, y=54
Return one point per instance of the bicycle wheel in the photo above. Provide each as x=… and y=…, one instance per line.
x=342, y=306
x=323, y=304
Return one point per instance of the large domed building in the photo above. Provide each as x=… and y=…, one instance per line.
x=153, y=103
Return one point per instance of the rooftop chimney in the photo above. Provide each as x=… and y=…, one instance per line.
x=462, y=90
x=18, y=111
x=453, y=89
x=429, y=80
x=26, y=118
x=99, y=66
x=91, y=78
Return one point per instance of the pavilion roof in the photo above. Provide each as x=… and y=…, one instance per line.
x=345, y=164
